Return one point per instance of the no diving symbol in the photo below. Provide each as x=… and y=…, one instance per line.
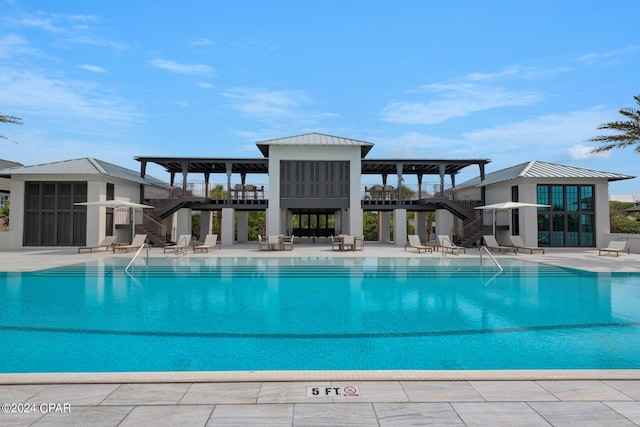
x=351, y=391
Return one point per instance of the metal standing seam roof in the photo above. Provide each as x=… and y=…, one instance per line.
x=315, y=139
x=537, y=169
x=83, y=166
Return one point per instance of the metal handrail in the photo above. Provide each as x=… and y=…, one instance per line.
x=178, y=246
x=144, y=245
x=492, y=257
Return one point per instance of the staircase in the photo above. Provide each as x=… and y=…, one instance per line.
x=473, y=229
x=158, y=234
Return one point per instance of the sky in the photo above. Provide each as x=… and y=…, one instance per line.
x=508, y=81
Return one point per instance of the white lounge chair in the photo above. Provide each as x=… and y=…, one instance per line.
x=107, y=243
x=210, y=242
x=138, y=241
x=447, y=245
x=491, y=243
x=519, y=244
x=616, y=247
x=414, y=242
x=181, y=245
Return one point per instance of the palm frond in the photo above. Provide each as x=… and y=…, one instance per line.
x=629, y=131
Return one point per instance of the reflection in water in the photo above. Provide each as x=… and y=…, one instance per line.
x=281, y=313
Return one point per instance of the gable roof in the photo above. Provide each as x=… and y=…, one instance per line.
x=5, y=184
x=537, y=169
x=314, y=139
x=83, y=166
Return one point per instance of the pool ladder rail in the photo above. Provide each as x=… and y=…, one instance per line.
x=491, y=256
x=143, y=246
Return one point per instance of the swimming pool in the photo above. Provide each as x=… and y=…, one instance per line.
x=240, y=314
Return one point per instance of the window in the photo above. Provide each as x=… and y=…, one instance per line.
x=569, y=221
x=515, y=213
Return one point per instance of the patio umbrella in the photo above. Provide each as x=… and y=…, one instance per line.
x=119, y=204
x=507, y=206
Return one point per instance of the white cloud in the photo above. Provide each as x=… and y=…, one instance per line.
x=203, y=42
x=12, y=46
x=189, y=69
x=53, y=22
x=93, y=68
x=265, y=104
x=74, y=101
x=609, y=56
x=205, y=85
x=93, y=41
x=517, y=72
x=455, y=100
x=471, y=93
x=579, y=152
x=548, y=130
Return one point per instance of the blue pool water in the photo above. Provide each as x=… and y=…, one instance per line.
x=317, y=313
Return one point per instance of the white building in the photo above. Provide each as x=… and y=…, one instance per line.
x=578, y=212
x=311, y=186
x=313, y=179
x=44, y=197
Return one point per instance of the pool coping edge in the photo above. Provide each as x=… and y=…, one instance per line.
x=312, y=375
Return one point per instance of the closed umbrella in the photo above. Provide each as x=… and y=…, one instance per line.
x=119, y=204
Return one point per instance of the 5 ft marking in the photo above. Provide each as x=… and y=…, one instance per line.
x=347, y=391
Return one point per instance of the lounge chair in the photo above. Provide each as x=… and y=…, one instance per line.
x=138, y=241
x=210, y=242
x=414, y=242
x=181, y=245
x=519, y=244
x=447, y=246
x=491, y=243
x=358, y=243
x=107, y=243
x=262, y=243
x=616, y=247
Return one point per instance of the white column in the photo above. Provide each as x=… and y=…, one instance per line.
x=421, y=229
x=228, y=226
x=183, y=222
x=243, y=226
x=444, y=223
x=96, y=227
x=205, y=223
x=385, y=226
x=400, y=226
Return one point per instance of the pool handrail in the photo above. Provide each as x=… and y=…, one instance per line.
x=490, y=255
x=144, y=245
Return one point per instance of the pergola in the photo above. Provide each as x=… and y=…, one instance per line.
x=243, y=166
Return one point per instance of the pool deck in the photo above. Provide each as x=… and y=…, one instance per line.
x=384, y=398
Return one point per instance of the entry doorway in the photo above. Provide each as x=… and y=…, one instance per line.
x=314, y=224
